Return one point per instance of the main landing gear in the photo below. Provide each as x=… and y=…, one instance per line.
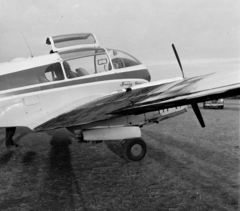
x=134, y=149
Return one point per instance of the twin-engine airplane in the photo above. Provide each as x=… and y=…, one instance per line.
x=98, y=93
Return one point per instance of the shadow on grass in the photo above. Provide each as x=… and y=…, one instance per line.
x=29, y=157
x=6, y=157
x=16, y=140
x=115, y=147
x=60, y=185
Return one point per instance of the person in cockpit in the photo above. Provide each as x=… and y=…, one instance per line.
x=69, y=72
x=81, y=72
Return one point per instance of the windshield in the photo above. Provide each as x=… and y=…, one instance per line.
x=122, y=59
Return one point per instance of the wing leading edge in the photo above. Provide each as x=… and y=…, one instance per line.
x=151, y=97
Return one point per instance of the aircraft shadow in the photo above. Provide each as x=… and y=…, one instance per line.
x=60, y=185
x=115, y=147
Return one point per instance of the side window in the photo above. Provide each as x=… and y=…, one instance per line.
x=54, y=72
x=79, y=67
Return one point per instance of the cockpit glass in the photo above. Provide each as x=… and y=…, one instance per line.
x=72, y=54
x=73, y=40
x=78, y=63
x=122, y=59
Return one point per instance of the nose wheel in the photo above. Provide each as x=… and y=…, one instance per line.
x=134, y=149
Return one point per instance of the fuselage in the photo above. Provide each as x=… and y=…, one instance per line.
x=35, y=90
x=31, y=92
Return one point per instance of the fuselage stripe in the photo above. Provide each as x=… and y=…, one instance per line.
x=139, y=74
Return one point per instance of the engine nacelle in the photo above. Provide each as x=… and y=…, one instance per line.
x=113, y=133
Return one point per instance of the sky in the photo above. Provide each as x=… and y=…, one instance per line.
x=205, y=33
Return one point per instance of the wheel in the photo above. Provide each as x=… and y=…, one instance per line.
x=134, y=149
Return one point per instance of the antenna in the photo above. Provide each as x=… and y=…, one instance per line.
x=27, y=44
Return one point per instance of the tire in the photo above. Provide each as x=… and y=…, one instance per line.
x=134, y=149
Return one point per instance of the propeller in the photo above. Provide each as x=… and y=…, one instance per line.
x=198, y=114
x=194, y=105
x=179, y=62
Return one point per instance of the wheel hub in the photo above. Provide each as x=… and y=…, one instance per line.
x=136, y=150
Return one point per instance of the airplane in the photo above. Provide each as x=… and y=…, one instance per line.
x=99, y=93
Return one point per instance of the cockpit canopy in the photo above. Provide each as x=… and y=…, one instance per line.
x=72, y=41
x=97, y=60
x=82, y=55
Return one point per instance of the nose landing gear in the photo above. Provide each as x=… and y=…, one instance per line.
x=134, y=149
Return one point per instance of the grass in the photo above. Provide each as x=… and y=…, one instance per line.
x=186, y=168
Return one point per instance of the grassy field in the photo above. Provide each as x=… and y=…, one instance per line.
x=186, y=168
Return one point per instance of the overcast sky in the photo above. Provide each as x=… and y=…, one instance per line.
x=205, y=33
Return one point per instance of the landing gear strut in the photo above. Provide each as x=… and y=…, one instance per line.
x=134, y=149
x=10, y=131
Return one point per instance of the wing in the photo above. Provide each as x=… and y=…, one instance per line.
x=150, y=97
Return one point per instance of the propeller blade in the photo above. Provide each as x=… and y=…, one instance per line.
x=198, y=114
x=179, y=62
